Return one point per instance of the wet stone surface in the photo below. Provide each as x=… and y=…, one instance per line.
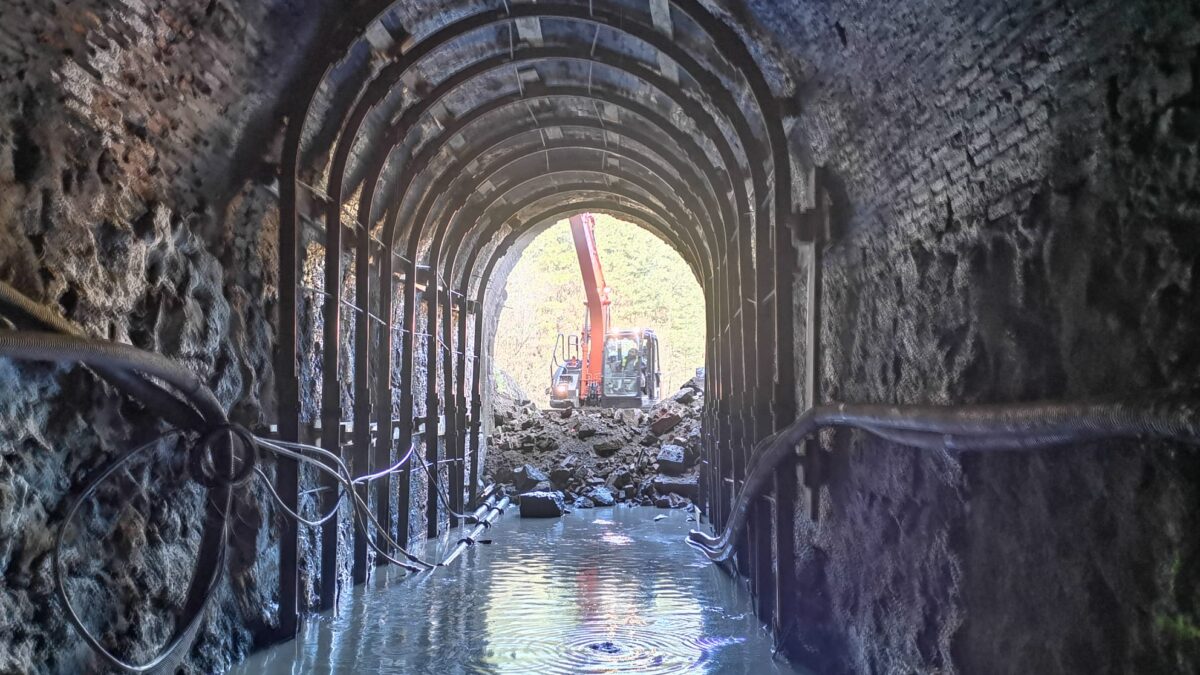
x=606, y=590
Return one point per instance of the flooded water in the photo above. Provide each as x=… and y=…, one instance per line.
x=598, y=591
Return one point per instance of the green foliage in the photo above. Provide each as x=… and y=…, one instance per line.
x=652, y=287
x=1179, y=627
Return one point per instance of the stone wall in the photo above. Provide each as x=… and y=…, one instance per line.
x=133, y=198
x=1016, y=219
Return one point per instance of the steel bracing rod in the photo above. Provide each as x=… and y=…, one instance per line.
x=494, y=256
x=994, y=427
x=432, y=352
x=396, y=133
x=337, y=174
x=332, y=48
x=451, y=407
x=402, y=404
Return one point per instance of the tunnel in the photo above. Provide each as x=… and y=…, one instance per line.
x=253, y=258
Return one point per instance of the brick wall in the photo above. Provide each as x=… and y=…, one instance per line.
x=1018, y=221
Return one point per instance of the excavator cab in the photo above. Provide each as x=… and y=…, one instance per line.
x=632, y=375
x=615, y=369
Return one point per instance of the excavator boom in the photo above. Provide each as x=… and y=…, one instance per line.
x=617, y=369
x=598, y=301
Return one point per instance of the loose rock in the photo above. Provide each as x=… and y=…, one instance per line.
x=607, y=448
x=665, y=423
x=527, y=476
x=672, y=460
x=548, y=504
x=599, y=456
x=601, y=496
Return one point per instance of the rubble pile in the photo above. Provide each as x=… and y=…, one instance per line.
x=551, y=460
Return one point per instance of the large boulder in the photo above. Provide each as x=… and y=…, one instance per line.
x=542, y=504
x=525, y=477
x=665, y=422
x=672, y=460
x=585, y=432
x=685, y=486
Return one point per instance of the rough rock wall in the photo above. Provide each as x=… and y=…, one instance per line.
x=1017, y=220
x=129, y=199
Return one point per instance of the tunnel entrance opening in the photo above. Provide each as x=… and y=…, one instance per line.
x=651, y=288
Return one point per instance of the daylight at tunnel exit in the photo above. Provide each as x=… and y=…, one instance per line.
x=600, y=336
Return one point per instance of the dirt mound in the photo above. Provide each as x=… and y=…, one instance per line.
x=597, y=456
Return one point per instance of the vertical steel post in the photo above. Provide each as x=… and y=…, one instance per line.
x=470, y=474
x=331, y=404
x=768, y=355
x=407, y=411
x=287, y=478
x=362, y=378
x=817, y=226
x=432, y=401
x=383, y=403
x=448, y=389
x=785, y=413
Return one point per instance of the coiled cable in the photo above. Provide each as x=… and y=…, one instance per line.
x=222, y=457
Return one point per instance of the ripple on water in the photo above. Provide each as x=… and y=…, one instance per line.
x=610, y=593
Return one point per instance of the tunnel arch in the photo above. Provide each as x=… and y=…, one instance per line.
x=683, y=133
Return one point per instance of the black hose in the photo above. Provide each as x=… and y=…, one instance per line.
x=128, y=369
x=210, y=564
x=156, y=399
x=52, y=347
x=981, y=427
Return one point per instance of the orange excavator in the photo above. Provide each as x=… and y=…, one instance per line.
x=602, y=366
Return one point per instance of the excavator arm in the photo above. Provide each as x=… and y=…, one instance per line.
x=598, y=301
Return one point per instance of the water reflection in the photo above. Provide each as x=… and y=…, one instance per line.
x=600, y=591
